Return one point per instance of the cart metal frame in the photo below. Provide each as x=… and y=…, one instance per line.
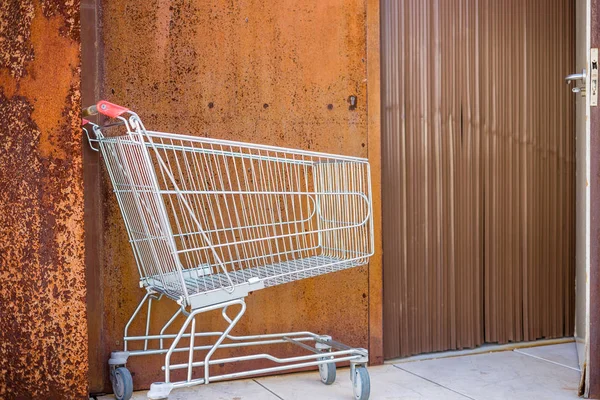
x=212, y=220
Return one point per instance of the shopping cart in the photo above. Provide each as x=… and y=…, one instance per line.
x=210, y=221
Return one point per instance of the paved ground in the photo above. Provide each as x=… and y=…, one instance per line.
x=547, y=372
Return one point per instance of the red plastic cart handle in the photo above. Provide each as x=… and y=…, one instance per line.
x=104, y=107
x=110, y=109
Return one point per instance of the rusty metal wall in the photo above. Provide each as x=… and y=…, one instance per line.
x=251, y=71
x=478, y=173
x=43, y=332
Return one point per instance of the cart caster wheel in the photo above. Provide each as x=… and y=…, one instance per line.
x=122, y=384
x=160, y=391
x=361, y=384
x=327, y=372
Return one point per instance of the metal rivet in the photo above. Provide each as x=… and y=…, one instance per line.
x=352, y=100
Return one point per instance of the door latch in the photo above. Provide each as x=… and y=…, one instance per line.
x=594, y=77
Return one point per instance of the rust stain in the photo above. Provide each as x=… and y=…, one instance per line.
x=69, y=11
x=56, y=59
x=15, y=23
x=209, y=68
x=43, y=340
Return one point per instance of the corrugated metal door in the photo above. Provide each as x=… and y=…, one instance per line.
x=478, y=173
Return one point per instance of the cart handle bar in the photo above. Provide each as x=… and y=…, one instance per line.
x=104, y=107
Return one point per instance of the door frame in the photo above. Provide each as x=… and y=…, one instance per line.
x=593, y=358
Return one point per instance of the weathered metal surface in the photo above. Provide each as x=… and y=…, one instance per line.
x=374, y=153
x=91, y=62
x=478, y=173
x=43, y=336
x=248, y=71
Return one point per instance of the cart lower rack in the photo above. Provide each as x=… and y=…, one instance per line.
x=210, y=221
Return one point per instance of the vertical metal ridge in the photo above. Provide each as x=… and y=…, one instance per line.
x=478, y=173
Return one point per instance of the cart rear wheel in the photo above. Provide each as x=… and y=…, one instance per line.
x=122, y=384
x=327, y=372
x=361, y=384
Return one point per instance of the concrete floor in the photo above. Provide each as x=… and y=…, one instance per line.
x=545, y=372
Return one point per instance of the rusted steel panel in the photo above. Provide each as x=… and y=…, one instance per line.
x=478, y=173
x=43, y=336
x=91, y=62
x=249, y=71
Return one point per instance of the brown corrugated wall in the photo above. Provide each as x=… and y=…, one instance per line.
x=478, y=173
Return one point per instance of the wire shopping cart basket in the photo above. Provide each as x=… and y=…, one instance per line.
x=210, y=221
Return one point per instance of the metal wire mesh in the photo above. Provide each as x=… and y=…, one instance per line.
x=205, y=214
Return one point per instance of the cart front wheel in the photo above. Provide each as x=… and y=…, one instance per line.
x=122, y=384
x=361, y=384
x=327, y=372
